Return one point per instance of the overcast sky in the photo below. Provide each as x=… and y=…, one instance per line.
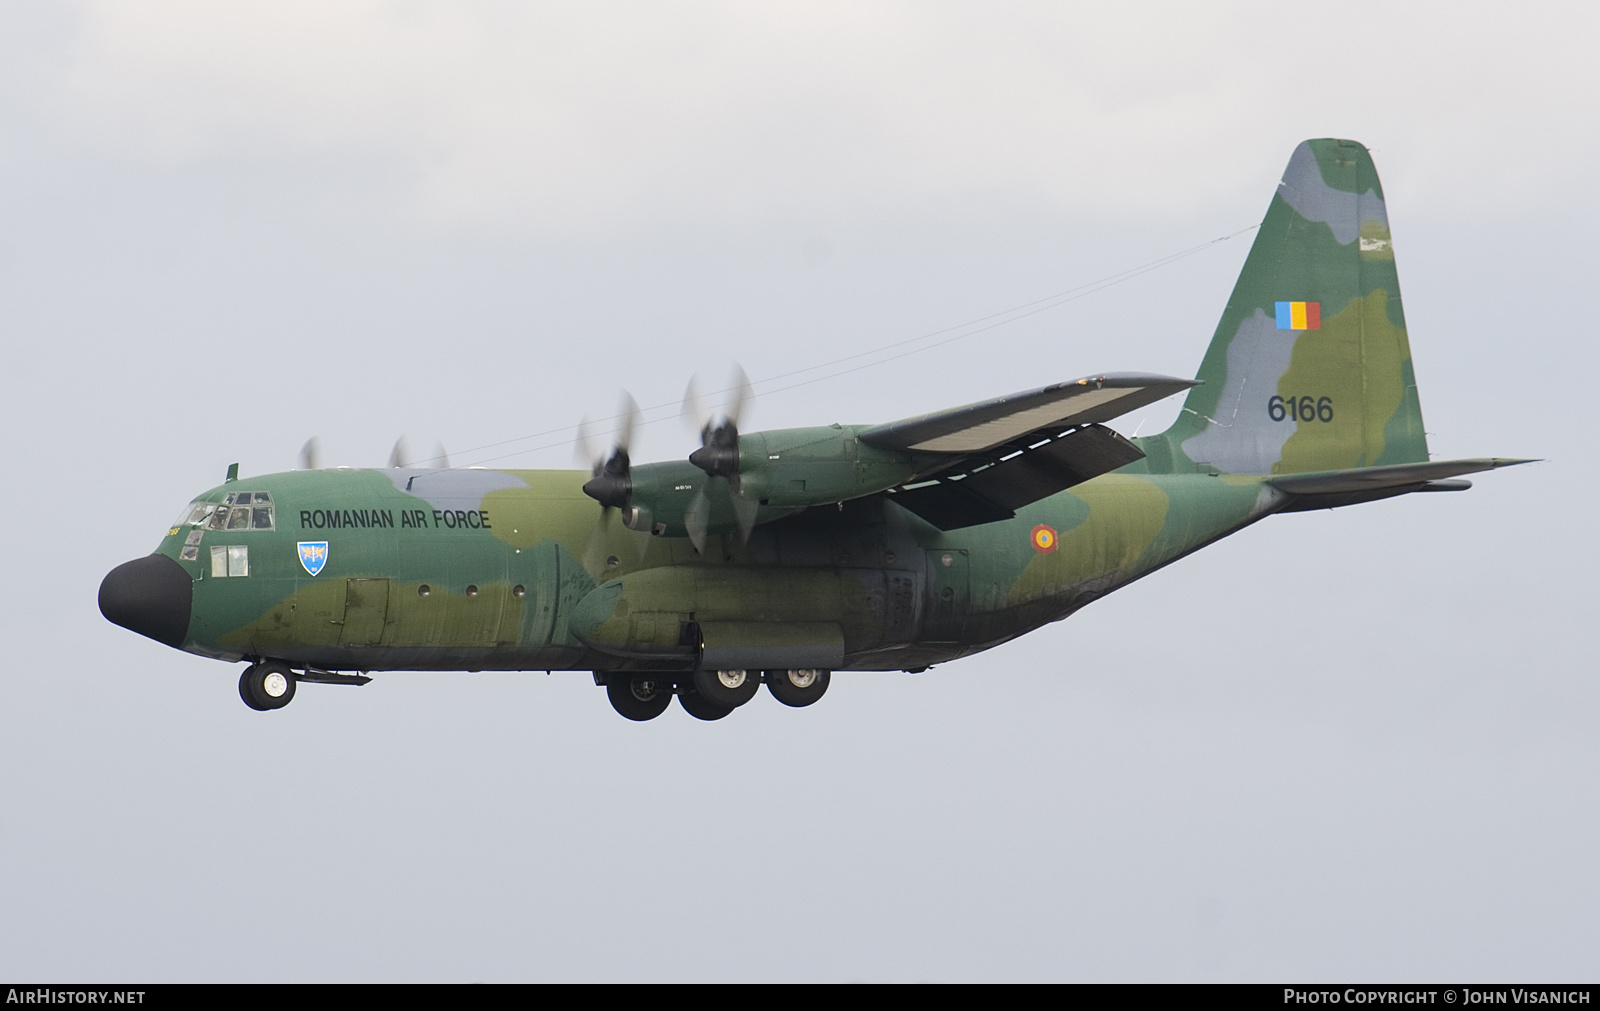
x=1345, y=745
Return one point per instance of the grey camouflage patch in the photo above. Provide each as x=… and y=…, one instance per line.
x=453, y=489
x=1304, y=190
x=1242, y=440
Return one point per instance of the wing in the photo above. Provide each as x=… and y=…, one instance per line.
x=1011, y=451
x=990, y=424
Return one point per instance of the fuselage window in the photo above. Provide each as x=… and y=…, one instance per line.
x=230, y=560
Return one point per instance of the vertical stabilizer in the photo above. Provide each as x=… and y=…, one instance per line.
x=1310, y=368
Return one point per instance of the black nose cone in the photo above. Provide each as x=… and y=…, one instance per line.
x=149, y=595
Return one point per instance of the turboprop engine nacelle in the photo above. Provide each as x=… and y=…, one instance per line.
x=779, y=473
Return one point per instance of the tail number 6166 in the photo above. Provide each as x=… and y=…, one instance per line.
x=1300, y=409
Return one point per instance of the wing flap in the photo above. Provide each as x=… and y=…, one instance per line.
x=990, y=423
x=994, y=492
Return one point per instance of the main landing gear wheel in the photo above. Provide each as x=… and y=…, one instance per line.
x=638, y=696
x=265, y=686
x=727, y=688
x=702, y=708
x=797, y=687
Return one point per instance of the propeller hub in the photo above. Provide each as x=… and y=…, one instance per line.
x=612, y=484
x=718, y=454
x=716, y=459
x=610, y=490
x=612, y=481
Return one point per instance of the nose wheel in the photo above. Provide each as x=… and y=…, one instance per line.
x=265, y=686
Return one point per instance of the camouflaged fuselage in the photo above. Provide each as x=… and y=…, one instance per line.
x=865, y=551
x=485, y=570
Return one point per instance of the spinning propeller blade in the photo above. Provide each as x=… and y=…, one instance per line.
x=718, y=456
x=611, y=483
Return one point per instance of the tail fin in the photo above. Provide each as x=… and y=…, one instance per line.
x=1310, y=368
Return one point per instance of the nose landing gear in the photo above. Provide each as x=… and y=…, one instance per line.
x=267, y=686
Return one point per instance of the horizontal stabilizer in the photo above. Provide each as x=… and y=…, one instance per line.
x=995, y=491
x=1333, y=482
x=982, y=426
x=1335, y=488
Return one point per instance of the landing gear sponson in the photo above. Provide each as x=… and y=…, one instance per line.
x=707, y=694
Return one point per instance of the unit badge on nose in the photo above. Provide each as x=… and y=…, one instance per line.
x=313, y=555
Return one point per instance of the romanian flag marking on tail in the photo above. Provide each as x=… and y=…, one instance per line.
x=1299, y=315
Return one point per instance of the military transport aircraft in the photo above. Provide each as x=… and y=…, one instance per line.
x=782, y=557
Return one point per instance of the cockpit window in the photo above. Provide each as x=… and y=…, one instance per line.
x=241, y=510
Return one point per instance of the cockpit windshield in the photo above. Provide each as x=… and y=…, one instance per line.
x=241, y=510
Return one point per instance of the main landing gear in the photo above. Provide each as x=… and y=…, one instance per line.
x=638, y=696
x=708, y=694
x=797, y=687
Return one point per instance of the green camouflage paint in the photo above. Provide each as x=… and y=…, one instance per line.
x=1325, y=240
x=520, y=569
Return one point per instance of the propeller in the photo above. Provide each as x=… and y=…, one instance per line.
x=400, y=457
x=611, y=483
x=308, y=455
x=718, y=456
